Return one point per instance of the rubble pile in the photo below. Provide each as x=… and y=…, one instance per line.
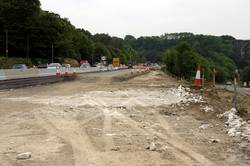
x=121, y=98
x=236, y=126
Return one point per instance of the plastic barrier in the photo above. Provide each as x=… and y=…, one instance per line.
x=2, y=75
x=15, y=73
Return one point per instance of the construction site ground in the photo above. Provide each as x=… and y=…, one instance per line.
x=116, y=119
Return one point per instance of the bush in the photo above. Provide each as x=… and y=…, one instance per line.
x=246, y=74
x=72, y=62
x=7, y=63
x=221, y=74
x=242, y=111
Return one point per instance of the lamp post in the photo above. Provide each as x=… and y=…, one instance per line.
x=28, y=48
x=52, y=53
x=7, y=42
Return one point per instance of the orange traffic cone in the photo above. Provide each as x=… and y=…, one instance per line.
x=197, y=81
x=66, y=72
x=74, y=72
x=58, y=73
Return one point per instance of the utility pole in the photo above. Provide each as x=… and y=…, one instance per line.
x=203, y=79
x=238, y=77
x=52, y=53
x=7, y=42
x=214, y=77
x=28, y=48
x=235, y=83
x=92, y=59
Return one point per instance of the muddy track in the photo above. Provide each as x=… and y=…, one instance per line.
x=184, y=151
x=86, y=154
x=96, y=122
x=82, y=149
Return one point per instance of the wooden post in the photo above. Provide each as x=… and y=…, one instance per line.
x=235, y=93
x=235, y=84
x=214, y=77
x=203, y=79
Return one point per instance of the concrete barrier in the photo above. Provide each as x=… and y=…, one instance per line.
x=2, y=75
x=46, y=72
x=15, y=73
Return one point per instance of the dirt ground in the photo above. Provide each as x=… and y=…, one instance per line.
x=111, y=120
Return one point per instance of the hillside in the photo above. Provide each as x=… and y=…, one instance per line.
x=39, y=36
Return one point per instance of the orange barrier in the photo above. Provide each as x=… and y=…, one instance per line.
x=58, y=72
x=197, y=81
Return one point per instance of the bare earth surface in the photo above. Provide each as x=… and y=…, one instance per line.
x=109, y=120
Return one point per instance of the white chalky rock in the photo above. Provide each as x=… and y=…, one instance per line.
x=237, y=127
x=204, y=126
x=23, y=156
x=152, y=147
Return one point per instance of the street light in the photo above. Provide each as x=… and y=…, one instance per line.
x=7, y=42
x=52, y=53
x=28, y=48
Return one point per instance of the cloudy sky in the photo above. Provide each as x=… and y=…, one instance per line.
x=156, y=17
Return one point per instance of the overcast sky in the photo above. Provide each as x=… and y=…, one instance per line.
x=156, y=17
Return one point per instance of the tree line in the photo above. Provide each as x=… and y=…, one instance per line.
x=181, y=52
x=33, y=34
x=183, y=60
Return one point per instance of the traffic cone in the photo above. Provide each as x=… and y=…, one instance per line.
x=58, y=73
x=66, y=72
x=197, y=81
x=74, y=72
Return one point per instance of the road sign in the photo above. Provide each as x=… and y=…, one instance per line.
x=116, y=62
x=104, y=58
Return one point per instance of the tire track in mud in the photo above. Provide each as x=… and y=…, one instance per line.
x=84, y=150
x=185, y=153
x=107, y=126
x=73, y=134
x=180, y=144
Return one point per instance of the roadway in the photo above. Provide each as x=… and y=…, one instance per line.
x=96, y=121
x=242, y=90
x=15, y=73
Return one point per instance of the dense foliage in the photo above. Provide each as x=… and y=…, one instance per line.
x=212, y=52
x=246, y=74
x=32, y=33
x=183, y=60
x=207, y=46
x=6, y=63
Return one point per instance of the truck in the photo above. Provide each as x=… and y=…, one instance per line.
x=116, y=62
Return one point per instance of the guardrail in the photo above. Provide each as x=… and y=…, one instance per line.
x=27, y=73
x=12, y=79
x=16, y=73
x=32, y=81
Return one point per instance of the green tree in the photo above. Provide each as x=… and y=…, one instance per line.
x=18, y=17
x=246, y=74
x=99, y=51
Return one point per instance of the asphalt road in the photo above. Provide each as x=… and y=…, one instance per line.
x=113, y=73
x=242, y=90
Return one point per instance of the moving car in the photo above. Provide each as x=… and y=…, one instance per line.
x=229, y=83
x=85, y=65
x=66, y=65
x=42, y=66
x=54, y=66
x=19, y=66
